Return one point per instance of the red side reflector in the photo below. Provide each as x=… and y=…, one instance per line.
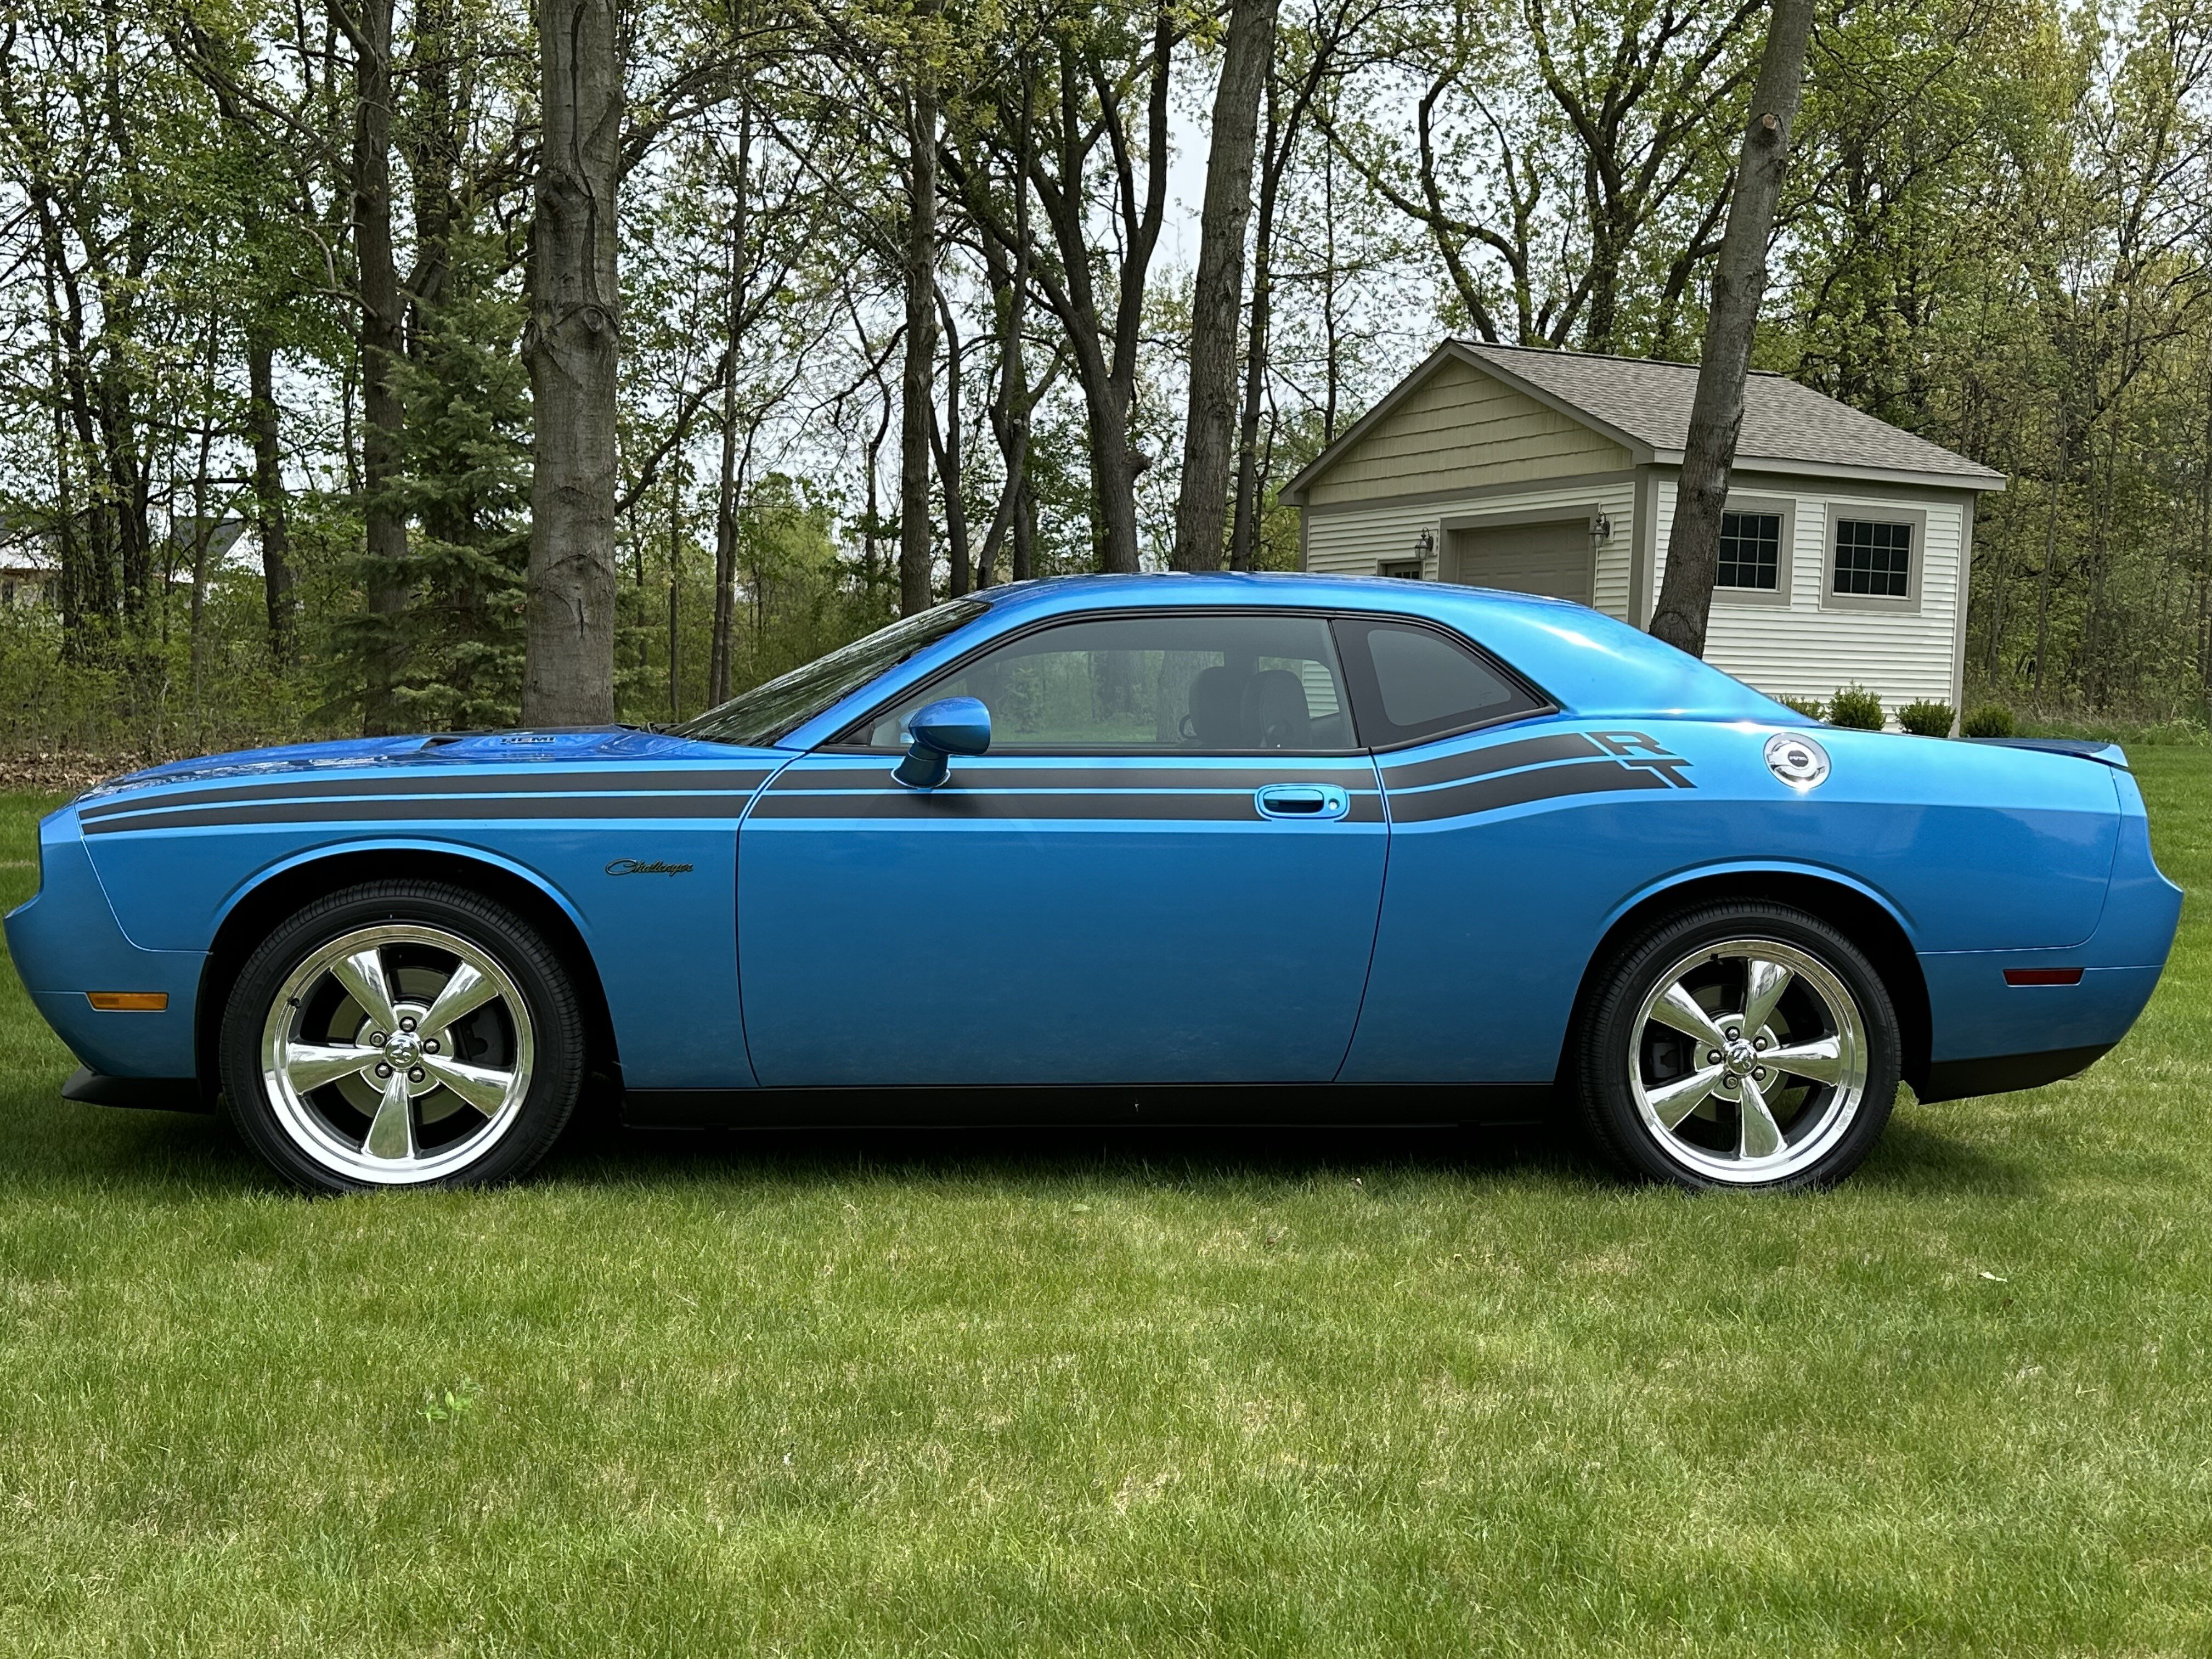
x=129, y=1002
x=2043, y=975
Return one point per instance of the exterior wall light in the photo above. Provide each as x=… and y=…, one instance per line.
x=1600, y=529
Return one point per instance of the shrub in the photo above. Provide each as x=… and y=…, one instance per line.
x=1856, y=709
x=1926, y=719
x=1811, y=707
x=1991, y=720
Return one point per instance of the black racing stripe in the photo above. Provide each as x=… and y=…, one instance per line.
x=1480, y=762
x=471, y=782
x=1518, y=788
x=386, y=811
x=961, y=806
x=1365, y=808
x=1258, y=775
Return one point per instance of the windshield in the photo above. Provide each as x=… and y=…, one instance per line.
x=764, y=714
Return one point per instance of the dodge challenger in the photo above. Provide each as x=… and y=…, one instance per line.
x=1223, y=848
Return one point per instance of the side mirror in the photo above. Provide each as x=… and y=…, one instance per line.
x=940, y=730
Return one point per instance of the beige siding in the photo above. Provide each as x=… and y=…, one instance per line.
x=1807, y=651
x=1462, y=429
x=1356, y=540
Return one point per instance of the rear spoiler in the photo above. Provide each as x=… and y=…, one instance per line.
x=2109, y=754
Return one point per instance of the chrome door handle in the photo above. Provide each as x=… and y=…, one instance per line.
x=1302, y=800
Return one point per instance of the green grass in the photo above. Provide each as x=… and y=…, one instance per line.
x=1034, y=1397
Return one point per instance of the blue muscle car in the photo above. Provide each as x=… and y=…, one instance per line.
x=1140, y=850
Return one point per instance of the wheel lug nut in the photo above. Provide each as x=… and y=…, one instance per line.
x=416, y=1075
x=408, y=1024
x=1758, y=1071
x=1759, y=1043
x=431, y=1047
x=378, y=1039
x=1714, y=1057
x=383, y=1070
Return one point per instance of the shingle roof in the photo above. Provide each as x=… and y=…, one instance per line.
x=1649, y=402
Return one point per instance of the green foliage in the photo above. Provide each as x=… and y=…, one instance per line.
x=1989, y=719
x=1855, y=708
x=454, y=1405
x=1926, y=719
x=1811, y=707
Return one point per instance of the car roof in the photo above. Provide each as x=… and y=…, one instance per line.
x=1267, y=588
x=1589, y=663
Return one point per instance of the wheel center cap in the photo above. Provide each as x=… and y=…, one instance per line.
x=1741, y=1057
x=404, y=1048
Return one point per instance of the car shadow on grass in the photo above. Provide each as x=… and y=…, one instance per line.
x=604, y=1150
x=55, y=1142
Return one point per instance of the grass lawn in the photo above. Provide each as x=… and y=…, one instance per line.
x=1031, y=1397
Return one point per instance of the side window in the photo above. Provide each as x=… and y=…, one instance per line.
x=1874, y=558
x=1192, y=681
x=1413, y=682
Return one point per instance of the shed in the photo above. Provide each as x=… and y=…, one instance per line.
x=1845, y=550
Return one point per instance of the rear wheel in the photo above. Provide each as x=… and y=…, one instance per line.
x=1739, y=1045
x=402, y=1035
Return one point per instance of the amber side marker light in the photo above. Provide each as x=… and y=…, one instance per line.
x=2043, y=975
x=129, y=1002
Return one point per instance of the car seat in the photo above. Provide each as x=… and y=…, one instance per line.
x=1275, y=715
x=1217, y=709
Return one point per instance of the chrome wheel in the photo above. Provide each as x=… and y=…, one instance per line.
x=1749, y=1060
x=397, y=1054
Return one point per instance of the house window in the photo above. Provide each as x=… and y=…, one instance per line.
x=1751, y=550
x=1407, y=569
x=1874, y=559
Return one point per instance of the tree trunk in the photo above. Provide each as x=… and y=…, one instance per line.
x=1219, y=294
x=726, y=496
x=574, y=344
x=1010, y=405
x=946, y=444
x=1244, y=525
x=1686, y=598
x=271, y=526
x=917, y=395
x=384, y=522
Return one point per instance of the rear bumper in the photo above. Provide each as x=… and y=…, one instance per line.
x=1990, y=1036
x=1997, y=1074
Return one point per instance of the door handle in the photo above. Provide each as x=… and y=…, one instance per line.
x=1302, y=800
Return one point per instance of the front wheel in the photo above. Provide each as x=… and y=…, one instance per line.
x=402, y=1035
x=1739, y=1045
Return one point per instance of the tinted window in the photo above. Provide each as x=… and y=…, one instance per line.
x=767, y=712
x=1186, y=682
x=1418, y=683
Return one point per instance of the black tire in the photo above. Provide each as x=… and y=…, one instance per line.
x=531, y=1024
x=1825, y=1128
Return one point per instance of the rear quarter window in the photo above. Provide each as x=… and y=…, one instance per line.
x=1411, y=683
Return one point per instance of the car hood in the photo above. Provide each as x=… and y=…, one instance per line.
x=442, y=750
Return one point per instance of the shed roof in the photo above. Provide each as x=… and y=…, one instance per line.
x=1644, y=403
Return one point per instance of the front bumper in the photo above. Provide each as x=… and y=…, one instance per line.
x=66, y=942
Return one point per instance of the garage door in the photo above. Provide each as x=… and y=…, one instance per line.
x=1554, y=558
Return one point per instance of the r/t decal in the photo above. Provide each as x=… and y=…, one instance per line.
x=1639, y=750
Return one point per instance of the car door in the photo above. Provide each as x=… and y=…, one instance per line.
x=1166, y=870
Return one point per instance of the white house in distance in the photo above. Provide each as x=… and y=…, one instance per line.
x=1843, y=553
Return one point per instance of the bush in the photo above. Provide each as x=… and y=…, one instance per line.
x=1811, y=707
x=1991, y=720
x=1856, y=709
x=1926, y=719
